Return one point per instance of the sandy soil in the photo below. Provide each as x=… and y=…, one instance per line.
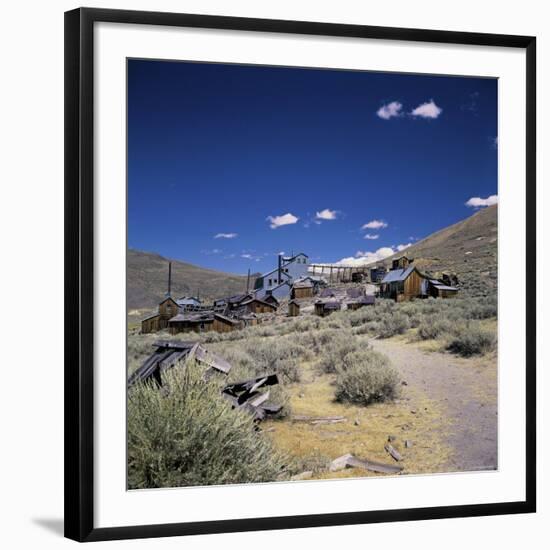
x=465, y=390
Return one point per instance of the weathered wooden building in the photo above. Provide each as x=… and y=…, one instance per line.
x=357, y=303
x=203, y=322
x=377, y=273
x=294, y=308
x=159, y=320
x=255, y=305
x=402, y=284
x=326, y=307
x=438, y=289
x=302, y=289
x=406, y=282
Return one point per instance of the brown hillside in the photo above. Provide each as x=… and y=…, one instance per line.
x=147, y=280
x=468, y=248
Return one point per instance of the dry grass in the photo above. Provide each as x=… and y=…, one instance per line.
x=315, y=397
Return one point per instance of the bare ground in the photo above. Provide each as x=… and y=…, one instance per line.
x=464, y=390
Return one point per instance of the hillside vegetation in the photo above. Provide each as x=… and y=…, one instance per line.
x=147, y=280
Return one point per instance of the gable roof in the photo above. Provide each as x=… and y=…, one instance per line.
x=166, y=299
x=397, y=275
x=253, y=299
x=151, y=316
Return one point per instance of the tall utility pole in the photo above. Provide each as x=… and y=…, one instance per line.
x=248, y=281
x=169, y=279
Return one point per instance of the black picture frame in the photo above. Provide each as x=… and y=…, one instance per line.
x=79, y=266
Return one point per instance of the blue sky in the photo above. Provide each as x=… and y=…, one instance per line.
x=229, y=165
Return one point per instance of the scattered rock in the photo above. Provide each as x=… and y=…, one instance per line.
x=301, y=395
x=340, y=463
x=301, y=476
x=408, y=443
x=413, y=411
x=356, y=422
x=404, y=383
x=391, y=438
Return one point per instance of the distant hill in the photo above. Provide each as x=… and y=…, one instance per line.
x=147, y=281
x=468, y=248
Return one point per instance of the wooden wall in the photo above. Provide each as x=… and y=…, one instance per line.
x=293, y=310
x=413, y=285
x=303, y=292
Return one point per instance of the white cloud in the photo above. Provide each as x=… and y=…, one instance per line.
x=366, y=258
x=390, y=110
x=478, y=202
x=213, y=251
x=371, y=237
x=427, y=110
x=225, y=235
x=247, y=256
x=375, y=224
x=285, y=219
x=326, y=214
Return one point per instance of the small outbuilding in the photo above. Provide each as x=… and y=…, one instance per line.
x=255, y=305
x=363, y=301
x=302, y=289
x=293, y=308
x=438, y=289
x=326, y=307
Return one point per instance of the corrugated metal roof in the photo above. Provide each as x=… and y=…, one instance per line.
x=445, y=287
x=396, y=275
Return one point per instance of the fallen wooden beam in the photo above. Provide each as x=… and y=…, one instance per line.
x=301, y=418
x=393, y=452
x=374, y=466
x=350, y=461
x=326, y=421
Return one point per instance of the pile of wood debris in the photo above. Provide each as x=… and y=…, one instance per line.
x=244, y=395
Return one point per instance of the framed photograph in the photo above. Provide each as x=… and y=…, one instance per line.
x=300, y=274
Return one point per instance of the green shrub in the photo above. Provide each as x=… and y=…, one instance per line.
x=471, y=339
x=333, y=354
x=432, y=328
x=366, y=377
x=393, y=323
x=187, y=434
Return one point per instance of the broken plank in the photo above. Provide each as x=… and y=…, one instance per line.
x=326, y=421
x=373, y=466
x=301, y=418
x=393, y=452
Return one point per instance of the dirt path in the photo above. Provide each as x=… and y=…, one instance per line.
x=465, y=389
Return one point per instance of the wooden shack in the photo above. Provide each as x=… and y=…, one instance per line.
x=439, y=289
x=255, y=305
x=191, y=322
x=159, y=320
x=404, y=284
x=293, y=308
x=150, y=324
x=363, y=301
x=225, y=324
x=326, y=307
x=302, y=289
